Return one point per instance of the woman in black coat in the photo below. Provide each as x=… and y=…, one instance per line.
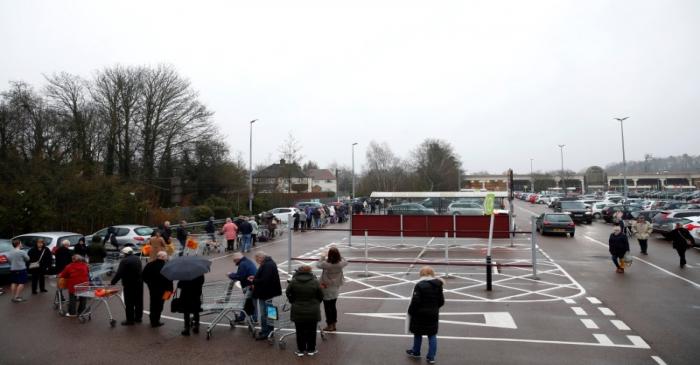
x=424, y=313
x=191, y=302
x=157, y=286
x=42, y=255
x=618, y=245
x=64, y=256
x=681, y=241
x=80, y=248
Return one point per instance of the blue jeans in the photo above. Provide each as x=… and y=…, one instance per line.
x=432, y=346
x=246, y=240
x=261, y=309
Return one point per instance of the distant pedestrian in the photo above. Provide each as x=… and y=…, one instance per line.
x=256, y=230
x=296, y=220
x=129, y=272
x=266, y=285
x=424, y=313
x=191, y=303
x=39, y=264
x=63, y=256
x=642, y=229
x=210, y=229
x=230, y=232
x=181, y=234
x=166, y=232
x=96, y=252
x=157, y=286
x=76, y=273
x=682, y=240
x=18, y=270
x=246, y=269
x=309, y=217
x=618, y=245
x=157, y=243
x=246, y=230
x=111, y=237
x=80, y=248
x=302, y=220
x=304, y=293
x=332, y=278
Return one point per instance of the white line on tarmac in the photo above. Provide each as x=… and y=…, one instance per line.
x=603, y=339
x=593, y=300
x=579, y=311
x=589, y=323
x=659, y=360
x=606, y=311
x=569, y=301
x=620, y=325
x=648, y=263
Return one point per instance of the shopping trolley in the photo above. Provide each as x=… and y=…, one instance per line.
x=97, y=272
x=279, y=314
x=97, y=294
x=224, y=299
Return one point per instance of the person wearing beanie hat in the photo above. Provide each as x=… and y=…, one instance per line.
x=129, y=272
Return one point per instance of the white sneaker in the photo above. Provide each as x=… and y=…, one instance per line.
x=312, y=353
x=299, y=353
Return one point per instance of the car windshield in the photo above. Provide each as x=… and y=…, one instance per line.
x=573, y=205
x=557, y=218
x=143, y=231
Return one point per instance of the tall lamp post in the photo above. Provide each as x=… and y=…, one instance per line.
x=250, y=169
x=624, y=160
x=353, y=170
x=561, y=149
x=532, y=178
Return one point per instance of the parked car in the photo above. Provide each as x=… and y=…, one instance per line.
x=127, y=235
x=663, y=221
x=555, y=223
x=465, y=208
x=283, y=214
x=410, y=209
x=693, y=226
x=303, y=205
x=576, y=209
x=648, y=215
x=51, y=239
x=597, y=209
x=5, y=246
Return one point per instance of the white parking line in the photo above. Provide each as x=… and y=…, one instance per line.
x=606, y=311
x=589, y=323
x=603, y=339
x=593, y=300
x=659, y=360
x=569, y=301
x=620, y=325
x=579, y=311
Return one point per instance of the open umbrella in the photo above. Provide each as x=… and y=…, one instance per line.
x=186, y=268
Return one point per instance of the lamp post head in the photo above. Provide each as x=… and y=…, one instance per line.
x=621, y=119
x=253, y=121
x=354, y=143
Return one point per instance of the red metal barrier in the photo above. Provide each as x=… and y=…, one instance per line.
x=429, y=225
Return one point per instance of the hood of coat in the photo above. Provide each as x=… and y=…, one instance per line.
x=303, y=276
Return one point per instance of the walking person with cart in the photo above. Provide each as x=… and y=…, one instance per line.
x=18, y=270
x=305, y=295
x=682, y=240
x=158, y=285
x=191, y=303
x=424, y=313
x=39, y=264
x=129, y=272
x=332, y=278
x=230, y=232
x=76, y=273
x=642, y=230
x=618, y=245
x=246, y=269
x=266, y=285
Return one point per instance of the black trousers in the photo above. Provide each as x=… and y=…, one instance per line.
x=681, y=254
x=230, y=244
x=72, y=300
x=306, y=335
x=331, y=311
x=188, y=321
x=643, y=245
x=38, y=278
x=133, y=302
x=155, y=306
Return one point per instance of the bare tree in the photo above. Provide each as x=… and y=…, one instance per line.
x=290, y=150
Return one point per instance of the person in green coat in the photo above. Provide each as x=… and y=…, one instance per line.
x=304, y=292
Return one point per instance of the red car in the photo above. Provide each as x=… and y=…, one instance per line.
x=533, y=198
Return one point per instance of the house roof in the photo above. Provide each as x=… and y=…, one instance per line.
x=281, y=169
x=321, y=174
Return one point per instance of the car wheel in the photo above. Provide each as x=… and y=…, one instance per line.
x=571, y=234
x=596, y=215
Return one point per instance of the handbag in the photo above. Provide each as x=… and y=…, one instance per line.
x=627, y=259
x=176, y=304
x=61, y=283
x=37, y=264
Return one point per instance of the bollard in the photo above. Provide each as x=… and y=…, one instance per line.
x=447, y=255
x=350, y=233
x=401, y=220
x=489, y=280
x=533, y=242
x=289, y=254
x=366, y=255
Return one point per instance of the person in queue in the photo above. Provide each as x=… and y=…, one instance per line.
x=63, y=256
x=618, y=245
x=18, y=270
x=230, y=232
x=181, y=235
x=246, y=269
x=266, y=285
x=424, y=313
x=39, y=264
x=80, y=248
x=158, y=244
x=191, y=303
x=129, y=272
x=332, y=278
x=96, y=252
x=158, y=285
x=256, y=230
x=305, y=295
x=76, y=273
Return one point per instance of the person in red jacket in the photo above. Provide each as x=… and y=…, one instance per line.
x=76, y=273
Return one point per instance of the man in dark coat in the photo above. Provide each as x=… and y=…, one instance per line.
x=618, y=245
x=181, y=235
x=166, y=232
x=210, y=229
x=111, y=237
x=304, y=292
x=424, y=313
x=96, y=252
x=246, y=230
x=266, y=285
x=157, y=286
x=129, y=272
x=681, y=241
x=80, y=248
x=246, y=269
x=64, y=256
x=191, y=302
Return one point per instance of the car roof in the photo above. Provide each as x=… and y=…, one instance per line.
x=50, y=234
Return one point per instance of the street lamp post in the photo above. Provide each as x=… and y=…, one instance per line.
x=353, y=170
x=532, y=178
x=250, y=169
x=561, y=149
x=624, y=160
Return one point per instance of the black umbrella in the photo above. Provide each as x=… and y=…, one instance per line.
x=186, y=268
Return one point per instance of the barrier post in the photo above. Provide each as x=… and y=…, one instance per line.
x=401, y=220
x=447, y=255
x=350, y=233
x=366, y=255
x=289, y=253
x=533, y=242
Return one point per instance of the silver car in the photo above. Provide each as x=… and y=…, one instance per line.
x=51, y=239
x=465, y=208
x=127, y=235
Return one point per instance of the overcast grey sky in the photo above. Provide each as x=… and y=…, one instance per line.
x=502, y=81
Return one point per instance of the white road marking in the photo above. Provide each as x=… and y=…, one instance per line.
x=569, y=301
x=603, y=339
x=589, y=323
x=593, y=300
x=606, y=311
x=638, y=341
x=648, y=263
x=491, y=319
x=659, y=360
x=620, y=325
x=579, y=311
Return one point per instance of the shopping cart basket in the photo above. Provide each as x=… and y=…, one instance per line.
x=279, y=314
x=225, y=300
x=97, y=294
